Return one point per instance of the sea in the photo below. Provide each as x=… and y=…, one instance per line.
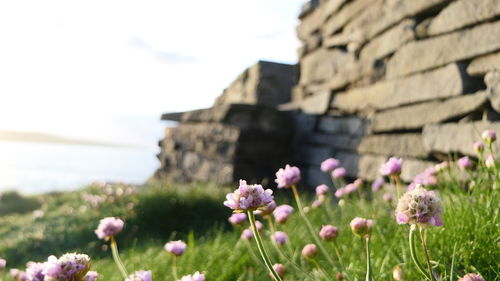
x=33, y=168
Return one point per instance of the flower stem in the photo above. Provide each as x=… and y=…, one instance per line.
x=339, y=256
x=426, y=252
x=116, y=257
x=309, y=225
x=260, y=245
x=368, y=260
x=174, y=267
x=414, y=254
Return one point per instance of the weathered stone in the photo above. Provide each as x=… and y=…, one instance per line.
x=322, y=64
x=310, y=44
x=492, y=80
x=307, y=8
x=312, y=155
x=313, y=22
x=213, y=131
x=314, y=176
x=440, y=83
x=438, y=51
x=317, y=103
x=464, y=13
x=412, y=167
x=349, y=11
x=480, y=66
x=264, y=83
x=337, y=142
x=353, y=126
x=389, y=41
x=457, y=137
x=416, y=116
x=394, y=144
x=172, y=116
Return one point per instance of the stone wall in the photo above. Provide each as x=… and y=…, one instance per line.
x=418, y=79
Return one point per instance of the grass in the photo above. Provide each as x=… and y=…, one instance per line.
x=157, y=213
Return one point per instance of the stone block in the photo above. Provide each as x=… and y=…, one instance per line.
x=437, y=51
x=323, y=64
x=317, y=103
x=492, y=80
x=393, y=144
x=440, y=83
x=481, y=65
x=463, y=13
x=312, y=155
x=314, y=21
x=416, y=116
x=457, y=137
x=346, y=13
x=353, y=126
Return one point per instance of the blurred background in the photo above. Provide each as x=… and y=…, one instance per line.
x=83, y=83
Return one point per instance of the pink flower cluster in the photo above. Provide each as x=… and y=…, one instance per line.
x=197, y=276
x=419, y=206
x=361, y=227
x=282, y=212
x=391, y=167
x=108, y=227
x=141, y=275
x=248, y=197
x=287, y=177
x=176, y=248
x=348, y=189
x=329, y=165
x=471, y=277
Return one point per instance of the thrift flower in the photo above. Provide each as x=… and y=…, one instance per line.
x=282, y=212
x=464, y=163
x=479, y=147
x=267, y=210
x=339, y=193
x=280, y=269
x=141, y=275
x=2, y=264
x=489, y=136
x=287, y=177
x=427, y=177
x=322, y=189
x=176, y=248
x=387, y=197
x=108, y=227
x=391, y=167
x=442, y=166
x=329, y=165
x=350, y=188
x=238, y=218
x=309, y=251
x=71, y=266
x=317, y=203
x=419, y=206
x=247, y=234
x=259, y=225
x=361, y=227
x=248, y=197
x=197, y=276
x=471, y=277
x=378, y=184
x=338, y=173
x=280, y=237
x=91, y=276
x=489, y=161
x=34, y=271
x=329, y=232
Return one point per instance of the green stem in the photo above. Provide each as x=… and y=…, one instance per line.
x=368, y=260
x=116, y=257
x=260, y=245
x=174, y=267
x=426, y=252
x=414, y=254
x=339, y=256
x=310, y=227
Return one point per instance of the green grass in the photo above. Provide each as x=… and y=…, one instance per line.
x=159, y=213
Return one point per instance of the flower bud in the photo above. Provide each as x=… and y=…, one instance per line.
x=479, y=147
x=489, y=136
x=287, y=177
x=329, y=233
x=471, y=277
x=489, y=161
x=280, y=237
x=397, y=273
x=338, y=173
x=329, y=165
x=280, y=269
x=310, y=251
x=322, y=189
x=361, y=227
x=339, y=276
x=176, y=248
x=247, y=234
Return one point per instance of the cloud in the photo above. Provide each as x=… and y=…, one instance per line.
x=169, y=57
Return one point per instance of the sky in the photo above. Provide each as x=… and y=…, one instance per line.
x=106, y=70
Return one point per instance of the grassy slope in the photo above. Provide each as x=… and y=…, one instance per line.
x=471, y=223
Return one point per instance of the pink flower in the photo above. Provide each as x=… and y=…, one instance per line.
x=316, y=203
x=471, y=277
x=322, y=189
x=478, y=146
x=339, y=193
x=176, y=248
x=282, y=212
x=489, y=136
x=247, y=234
x=350, y=188
x=249, y=197
x=91, y=276
x=378, y=184
x=391, y=167
x=427, y=177
x=259, y=226
x=419, y=206
x=338, y=173
x=442, y=166
x=237, y=219
x=2, y=264
x=387, y=197
x=489, y=161
x=267, y=209
x=309, y=251
x=34, y=271
x=53, y=267
x=287, y=177
x=361, y=227
x=329, y=165
x=328, y=232
x=464, y=163
x=280, y=237
x=141, y=275
x=108, y=227
x=197, y=276
x=280, y=269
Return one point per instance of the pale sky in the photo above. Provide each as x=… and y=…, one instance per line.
x=106, y=70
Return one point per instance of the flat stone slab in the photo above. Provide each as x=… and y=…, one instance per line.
x=393, y=144
x=353, y=126
x=346, y=13
x=440, y=83
x=457, y=137
x=418, y=115
x=389, y=41
x=322, y=64
x=437, y=51
x=481, y=65
x=317, y=103
x=463, y=13
x=492, y=80
x=314, y=20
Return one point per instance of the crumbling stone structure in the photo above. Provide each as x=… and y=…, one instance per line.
x=416, y=79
